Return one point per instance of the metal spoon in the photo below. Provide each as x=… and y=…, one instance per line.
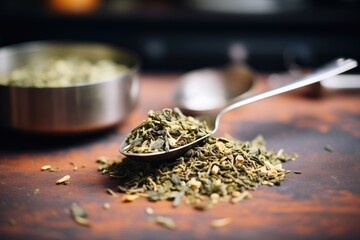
x=207, y=91
x=333, y=68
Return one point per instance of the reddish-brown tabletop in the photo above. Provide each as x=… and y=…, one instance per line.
x=321, y=203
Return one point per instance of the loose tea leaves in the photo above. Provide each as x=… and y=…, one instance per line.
x=74, y=165
x=80, y=215
x=166, y=222
x=50, y=168
x=36, y=191
x=165, y=130
x=237, y=196
x=329, y=148
x=64, y=180
x=222, y=222
x=62, y=72
x=149, y=211
x=130, y=197
x=45, y=168
x=102, y=160
x=194, y=179
x=106, y=206
x=111, y=192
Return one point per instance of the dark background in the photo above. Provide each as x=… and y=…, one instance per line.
x=182, y=35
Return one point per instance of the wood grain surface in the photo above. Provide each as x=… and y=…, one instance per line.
x=321, y=203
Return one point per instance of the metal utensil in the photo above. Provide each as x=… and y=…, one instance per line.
x=334, y=68
x=73, y=109
x=342, y=82
x=208, y=90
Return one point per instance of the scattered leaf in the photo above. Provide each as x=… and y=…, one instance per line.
x=102, y=160
x=106, y=206
x=111, y=192
x=75, y=167
x=166, y=222
x=64, y=180
x=222, y=222
x=149, y=211
x=329, y=148
x=80, y=215
x=45, y=167
x=130, y=197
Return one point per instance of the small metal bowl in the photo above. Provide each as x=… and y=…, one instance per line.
x=73, y=109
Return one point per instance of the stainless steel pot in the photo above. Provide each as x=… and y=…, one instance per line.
x=73, y=109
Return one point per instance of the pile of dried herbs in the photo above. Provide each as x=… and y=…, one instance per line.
x=62, y=72
x=165, y=130
x=221, y=169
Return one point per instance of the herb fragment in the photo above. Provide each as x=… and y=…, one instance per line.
x=241, y=166
x=165, y=130
x=297, y=172
x=215, y=169
x=75, y=167
x=149, y=211
x=50, y=168
x=129, y=198
x=111, y=192
x=36, y=191
x=218, y=223
x=54, y=169
x=102, y=160
x=62, y=72
x=64, y=180
x=237, y=196
x=106, y=206
x=166, y=222
x=104, y=164
x=329, y=148
x=80, y=215
x=45, y=167
x=194, y=184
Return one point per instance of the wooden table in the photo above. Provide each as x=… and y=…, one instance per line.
x=321, y=203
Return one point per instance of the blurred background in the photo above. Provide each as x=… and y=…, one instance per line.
x=174, y=35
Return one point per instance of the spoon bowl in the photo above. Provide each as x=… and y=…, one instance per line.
x=331, y=69
x=209, y=90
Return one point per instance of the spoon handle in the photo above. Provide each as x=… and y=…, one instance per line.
x=331, y=69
